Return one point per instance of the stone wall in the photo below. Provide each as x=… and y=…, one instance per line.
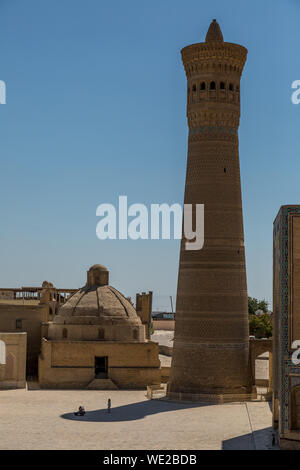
x=71, y=364
x=13, y=371
x=163, y=324
x=257, y=348
x=30, y=318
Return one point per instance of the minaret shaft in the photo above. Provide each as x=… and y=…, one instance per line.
x=211, y=343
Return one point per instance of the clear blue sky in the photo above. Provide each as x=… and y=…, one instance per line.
x=95, y=109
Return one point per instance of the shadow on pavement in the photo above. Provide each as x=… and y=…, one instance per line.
x=131, y=412
x=258, y=440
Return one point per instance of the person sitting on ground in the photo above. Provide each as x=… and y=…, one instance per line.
x=80, y=412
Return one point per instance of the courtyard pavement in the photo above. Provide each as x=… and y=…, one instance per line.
x=44, y=419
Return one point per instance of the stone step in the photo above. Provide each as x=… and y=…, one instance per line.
x=33, y=385
x=102, y=384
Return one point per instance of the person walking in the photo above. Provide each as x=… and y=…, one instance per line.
x=108, y=405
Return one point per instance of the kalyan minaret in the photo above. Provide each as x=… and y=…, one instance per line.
x=211, y=343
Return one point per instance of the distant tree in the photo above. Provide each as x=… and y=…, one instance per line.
x=254, y=305
x=260, y=327
x=263, y=305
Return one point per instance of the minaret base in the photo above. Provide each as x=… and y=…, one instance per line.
x=211, y=397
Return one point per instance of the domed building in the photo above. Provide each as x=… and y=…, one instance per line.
x=97, y=340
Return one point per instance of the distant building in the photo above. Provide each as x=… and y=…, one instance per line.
x=25, y=309
x=98, y=341
x=101, y=332
x=144, y=310
x=163, y=316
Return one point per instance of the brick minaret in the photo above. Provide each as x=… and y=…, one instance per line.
x=211, y=344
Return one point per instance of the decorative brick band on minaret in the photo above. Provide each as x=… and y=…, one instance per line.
x=211, y=343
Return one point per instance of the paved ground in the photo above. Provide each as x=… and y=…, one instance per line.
x=164, y=337
x=43, y=419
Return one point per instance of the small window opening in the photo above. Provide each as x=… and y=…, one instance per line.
x=135, y=334
x=100, y=333
x=212, y=85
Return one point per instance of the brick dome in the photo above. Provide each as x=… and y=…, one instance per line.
x=97, y=311
x=98, y=302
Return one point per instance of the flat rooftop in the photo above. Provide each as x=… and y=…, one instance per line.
x=19, y=302
x=44, y=419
